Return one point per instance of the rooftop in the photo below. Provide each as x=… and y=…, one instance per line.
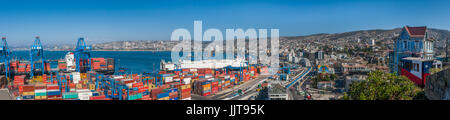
x=416, y=31
x=277, y=89
x=416, y=59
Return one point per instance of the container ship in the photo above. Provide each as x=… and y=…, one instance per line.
x=80, y=77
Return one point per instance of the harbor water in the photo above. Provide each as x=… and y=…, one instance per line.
x=134, y=61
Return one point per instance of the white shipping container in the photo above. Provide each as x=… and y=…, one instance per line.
x=129, y=85
x=168, y=79
x=176, y=80
x=189, y=98
x=208, y=76
x=118, y=77
x=76, y=77
x=40, y=90
x=83, y=97
x=187, y=80
x=72, y=89
x=52, y=90
x=169, y=66
x=83, y=90
x=85, y=94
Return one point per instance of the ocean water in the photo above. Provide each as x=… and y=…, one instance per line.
x=134, y=61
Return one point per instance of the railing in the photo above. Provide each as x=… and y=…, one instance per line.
x=301, y=76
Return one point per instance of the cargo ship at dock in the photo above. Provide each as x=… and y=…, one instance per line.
x=80, y=77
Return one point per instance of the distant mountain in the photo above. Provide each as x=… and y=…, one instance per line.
x=156, y=45
x=364, y=36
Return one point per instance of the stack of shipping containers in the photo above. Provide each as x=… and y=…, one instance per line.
x=166, y=85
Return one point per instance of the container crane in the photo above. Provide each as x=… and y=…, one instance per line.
x=82, y=56
x=5, y=56
x=36, y=54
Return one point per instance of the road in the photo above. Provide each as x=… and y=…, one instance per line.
x=292, y=91
x=250, y=86
x=299, y=78
x=229, y=94
x=4, y=95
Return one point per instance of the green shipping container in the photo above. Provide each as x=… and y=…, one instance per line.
x=135, y=97
x=70, y=95
x=40, y=94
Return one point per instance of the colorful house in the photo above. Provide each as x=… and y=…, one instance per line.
x=412, y=42
x=323, y=69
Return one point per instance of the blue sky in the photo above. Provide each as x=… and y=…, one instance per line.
x=63, y=21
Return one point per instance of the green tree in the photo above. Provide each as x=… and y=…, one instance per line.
x=382, y=86
x=435, y=70
x=333, y=77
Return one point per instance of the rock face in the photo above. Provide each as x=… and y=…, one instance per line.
x=437, y=86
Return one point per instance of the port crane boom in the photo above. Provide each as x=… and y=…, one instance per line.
x=6, y=56
x=82, y=56
x=36, y=54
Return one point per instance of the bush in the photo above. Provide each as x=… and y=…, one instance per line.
x=382, y=86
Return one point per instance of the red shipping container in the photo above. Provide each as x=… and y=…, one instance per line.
x=185, y=95
x=214, y=90
x=52, y=87
x=102, y=97
x=186, y=90
x=206, y=94
x=55, y=98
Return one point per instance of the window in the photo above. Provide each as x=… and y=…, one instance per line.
x=404, y=44
x=417, y=67
x=416, y=45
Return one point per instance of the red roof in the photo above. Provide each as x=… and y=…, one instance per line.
x=416, y=31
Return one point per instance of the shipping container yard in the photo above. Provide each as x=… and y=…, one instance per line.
x=81, y=77
x=223, y=59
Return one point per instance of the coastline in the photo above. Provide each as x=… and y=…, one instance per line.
x=110, y=50
x=136, y=50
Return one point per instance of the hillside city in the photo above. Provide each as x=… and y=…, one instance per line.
x=411, y=62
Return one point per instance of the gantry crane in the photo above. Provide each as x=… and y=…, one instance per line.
x=5, y=56
x=36, y=54
x=82, y=56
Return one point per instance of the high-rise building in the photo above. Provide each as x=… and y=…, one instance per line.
x=320, y=55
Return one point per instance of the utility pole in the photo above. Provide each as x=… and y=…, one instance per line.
x=446, y=50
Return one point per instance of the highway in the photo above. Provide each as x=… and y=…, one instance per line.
x=299, y=78
x=292, y=90
x=4, y=95
x=229, y=94
x=249, y=89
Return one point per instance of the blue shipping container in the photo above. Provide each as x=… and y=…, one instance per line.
x=28, y=97
x=95, y=94
x=162, y=95
x=49, y=93
x=146, y=93
x=173, y=90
